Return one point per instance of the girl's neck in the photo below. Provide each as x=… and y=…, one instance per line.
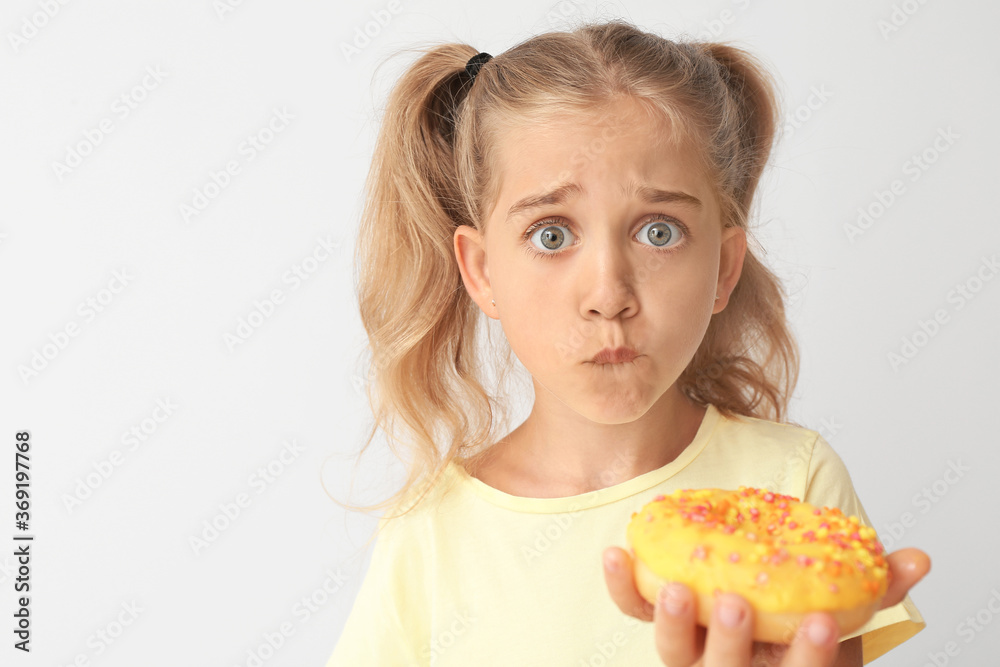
x=561, y=455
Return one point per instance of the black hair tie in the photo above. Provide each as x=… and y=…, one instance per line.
x=475, y=64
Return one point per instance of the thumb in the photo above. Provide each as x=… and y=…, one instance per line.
x=621, y=584
x=906, y=568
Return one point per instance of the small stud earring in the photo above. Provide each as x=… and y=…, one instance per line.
x=495, y=303
x=716, y=297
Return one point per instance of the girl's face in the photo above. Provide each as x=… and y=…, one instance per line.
x=603, y=236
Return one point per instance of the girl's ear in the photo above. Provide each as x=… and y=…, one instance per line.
x=470, y=253
x=731, y=253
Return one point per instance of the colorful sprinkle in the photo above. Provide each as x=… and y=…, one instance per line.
x=843, y=554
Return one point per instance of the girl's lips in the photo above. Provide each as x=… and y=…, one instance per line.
x=615, y=356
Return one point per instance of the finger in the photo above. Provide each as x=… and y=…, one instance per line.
x=815, y=643
x=677, y=639
x=730, y=633
x=621, y=584
x=906, y=568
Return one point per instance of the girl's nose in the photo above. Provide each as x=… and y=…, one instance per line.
x=608, y=281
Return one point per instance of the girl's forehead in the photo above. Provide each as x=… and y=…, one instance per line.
x=612, y=119
x=608, y=147
x=618, y=143
x=572, y=141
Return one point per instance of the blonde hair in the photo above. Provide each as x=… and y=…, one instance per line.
x=434, y=169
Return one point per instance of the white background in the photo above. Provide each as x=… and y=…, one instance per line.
x=185, y=285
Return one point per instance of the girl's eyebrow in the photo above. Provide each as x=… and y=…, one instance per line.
x=560, y=193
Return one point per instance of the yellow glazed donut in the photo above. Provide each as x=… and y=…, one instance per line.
x=786, y=557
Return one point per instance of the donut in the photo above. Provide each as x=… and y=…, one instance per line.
x=785, y=557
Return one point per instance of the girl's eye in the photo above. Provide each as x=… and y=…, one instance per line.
x=549, y=236
x=546, y=235
x=660, y=233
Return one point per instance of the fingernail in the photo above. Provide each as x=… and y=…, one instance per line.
x=611, y=563
x=730, y=614
x=819, y=634
x=672, y=599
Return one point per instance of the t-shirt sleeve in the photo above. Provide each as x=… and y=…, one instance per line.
x=829, y=483
x=385, y=625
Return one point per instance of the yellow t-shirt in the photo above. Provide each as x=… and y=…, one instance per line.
x=475, y=576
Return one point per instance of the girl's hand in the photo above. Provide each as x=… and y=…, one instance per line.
x=682, y=643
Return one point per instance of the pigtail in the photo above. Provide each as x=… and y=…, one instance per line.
x=749, y=361
x=421, y=323
x=754, y=99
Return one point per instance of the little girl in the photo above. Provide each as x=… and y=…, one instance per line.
x=591, y=191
